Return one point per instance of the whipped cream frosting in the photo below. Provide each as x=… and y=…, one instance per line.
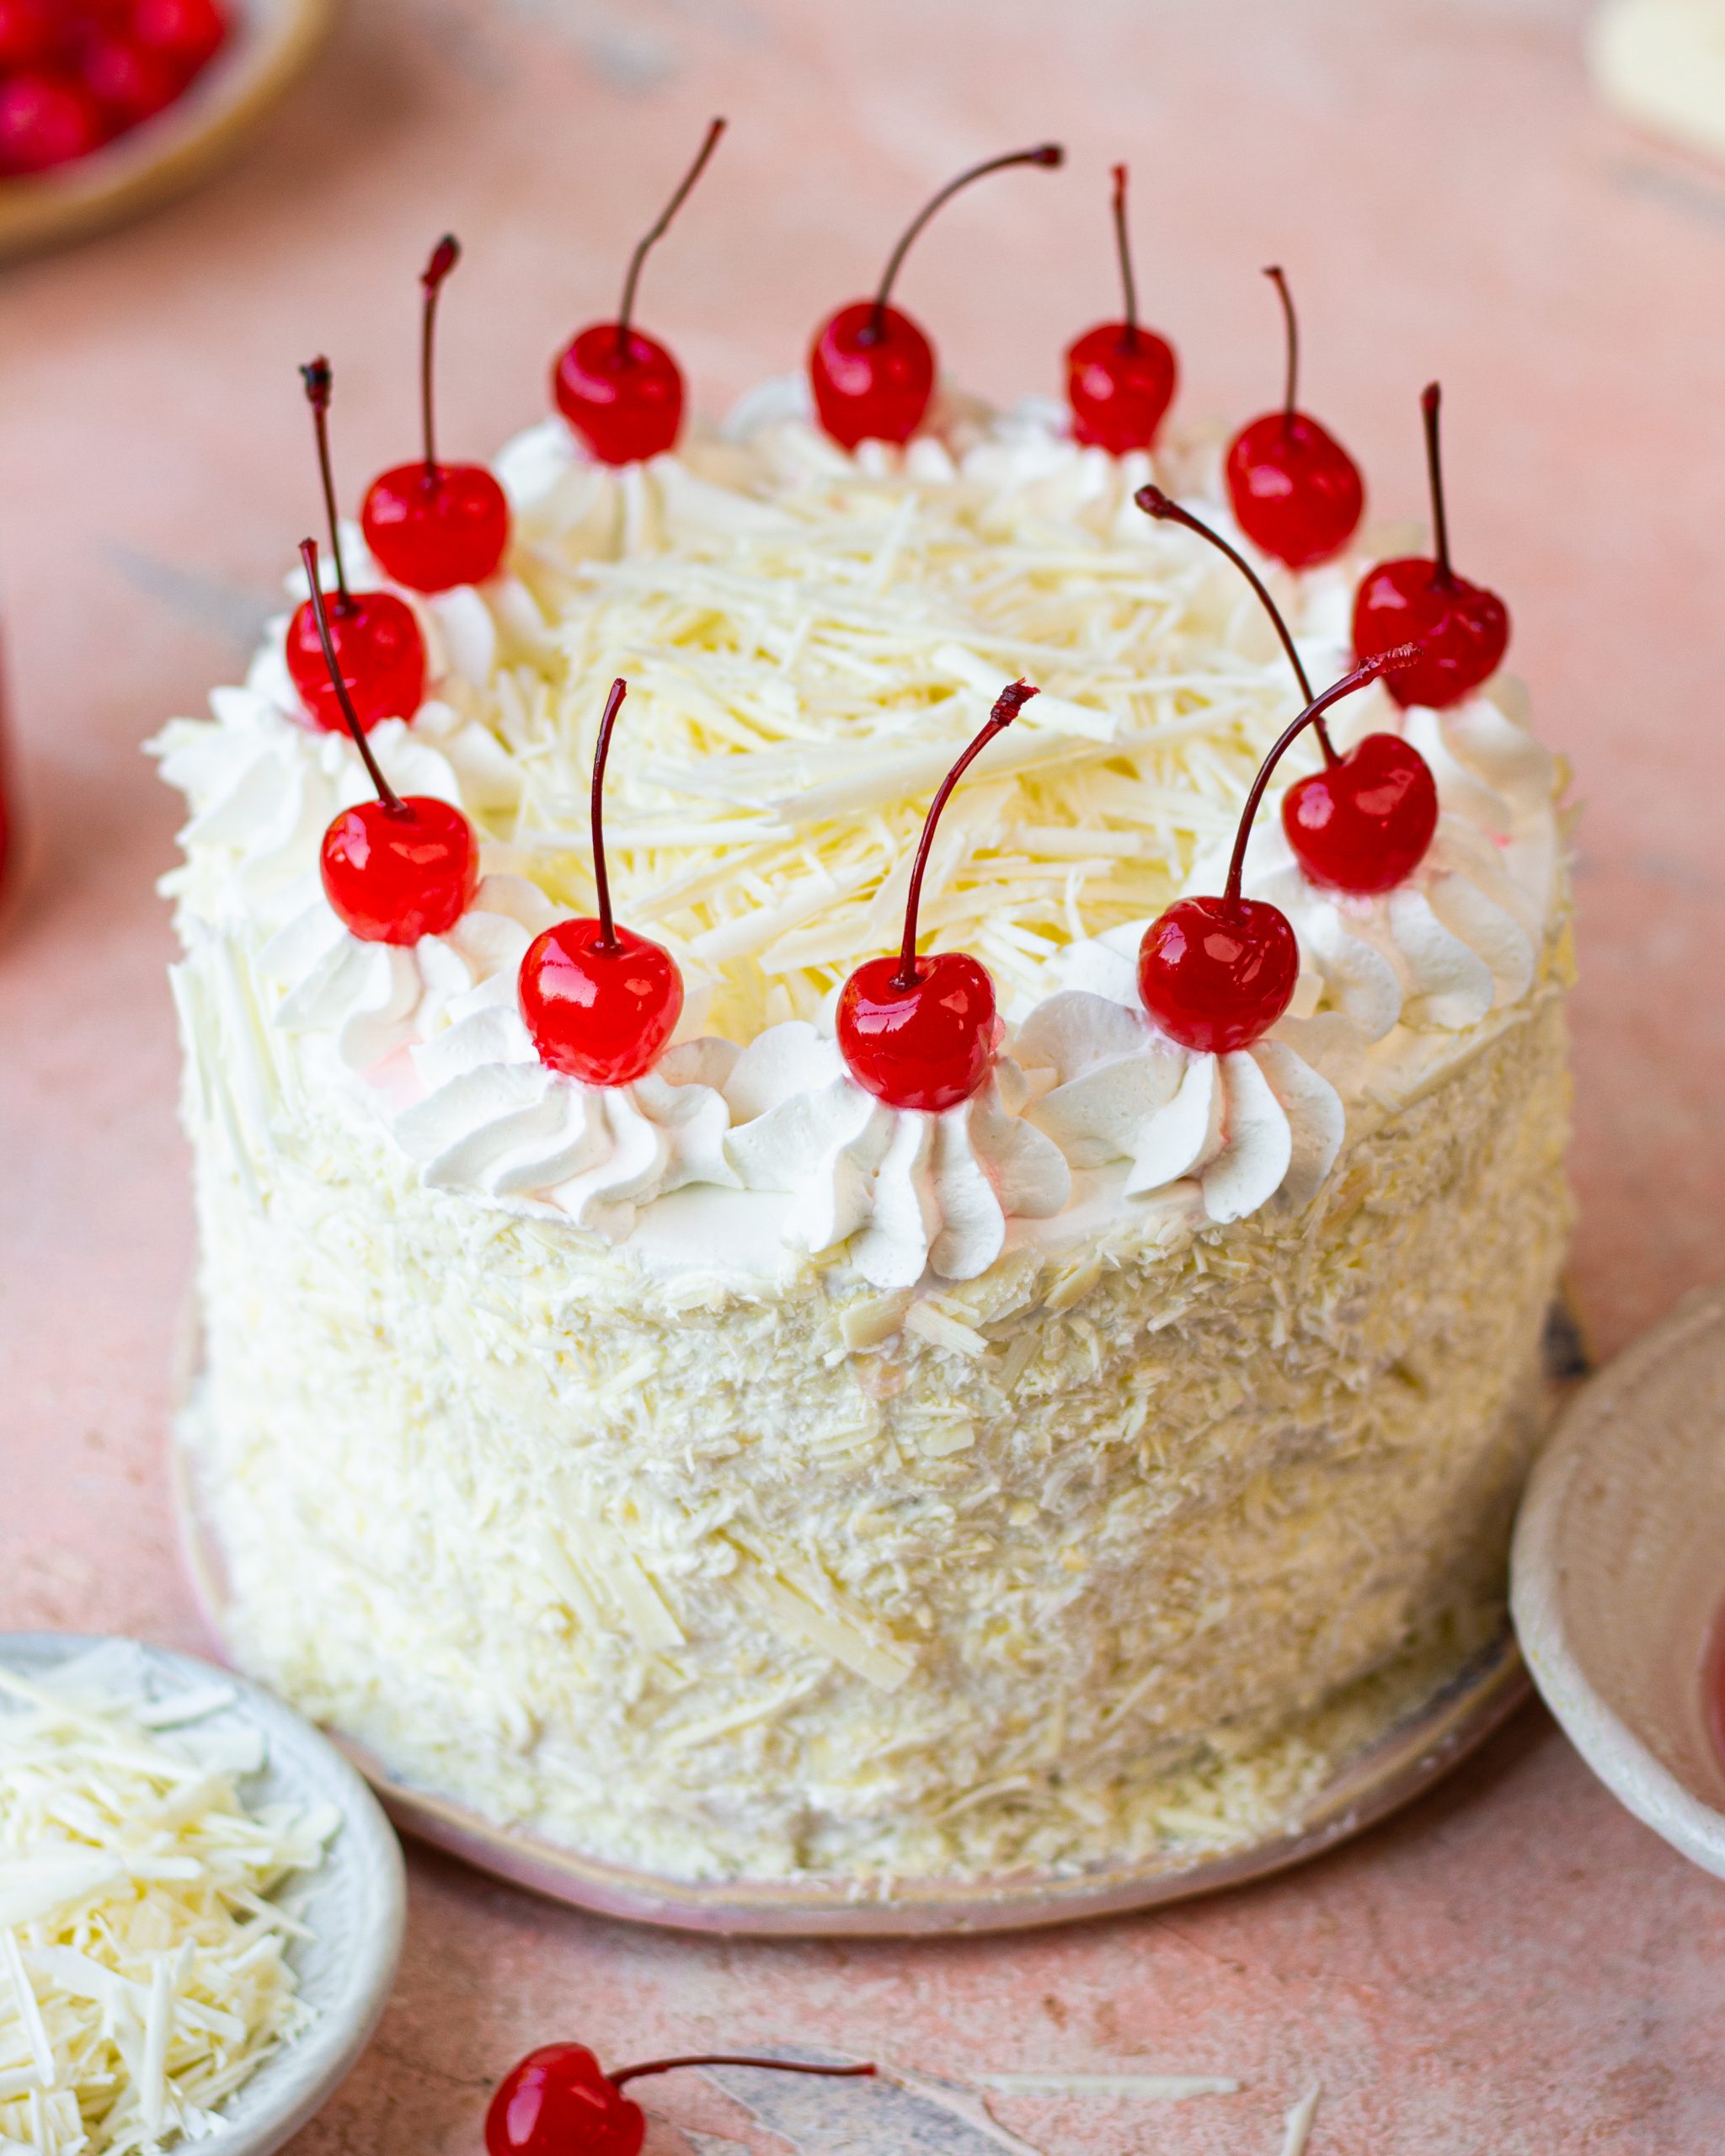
x=429, y=1040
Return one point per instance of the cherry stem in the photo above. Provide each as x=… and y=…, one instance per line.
x=1155, y=503
x=444, y=258
x=319, y=379
x=1125, y=245
x=735, y=2058
x=1368, y=670
x=1045, y=153
x=1430, y=398
x=1011, y=701
x=626, y=311
x=385, y=792
x=1274, y=274
x=607, y=931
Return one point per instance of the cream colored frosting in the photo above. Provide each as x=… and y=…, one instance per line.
x=430, y=1038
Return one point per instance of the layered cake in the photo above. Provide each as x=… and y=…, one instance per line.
x=726, y=1473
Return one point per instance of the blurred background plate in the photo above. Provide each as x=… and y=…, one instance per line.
x=271, y=43
x=354, y=1905
x=1619, y=1575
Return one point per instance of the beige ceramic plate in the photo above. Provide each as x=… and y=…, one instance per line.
x=272, y=42
x=1620, y=1574
x=1423, y=1731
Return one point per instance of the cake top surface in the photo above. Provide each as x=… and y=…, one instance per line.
x=810, y=636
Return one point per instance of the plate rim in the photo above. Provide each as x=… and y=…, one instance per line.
x=314, y=2064
x=1621, y=1760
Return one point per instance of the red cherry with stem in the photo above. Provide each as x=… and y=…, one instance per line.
x=187, y=33
x=558, y=2101
x=919, y=1033
x=872, y=368
x=398, y=867
x=1216, y=973
x=1296, y=492
x=1462, y=628
x=620, y=389
x=1364, y=823
x=600, y=1001
x=45, y=120
x=432, y=525
x=377, y=638
x=1120, y=377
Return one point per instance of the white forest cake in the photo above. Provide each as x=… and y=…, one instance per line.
x=728, y=1474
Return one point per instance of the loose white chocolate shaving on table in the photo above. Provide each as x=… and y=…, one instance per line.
x=143, y=1974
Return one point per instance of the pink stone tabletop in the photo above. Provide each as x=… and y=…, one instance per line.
x=1513, y=1967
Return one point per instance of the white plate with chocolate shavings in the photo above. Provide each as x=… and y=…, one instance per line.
x=201, y=1905
x=1619, y=1593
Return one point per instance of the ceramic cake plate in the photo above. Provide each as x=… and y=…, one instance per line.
x=1414, y=1744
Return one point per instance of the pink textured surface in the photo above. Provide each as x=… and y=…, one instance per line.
x=1514, y=1966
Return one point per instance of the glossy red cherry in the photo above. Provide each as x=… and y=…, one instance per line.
x=47, y=120
x=130, y=84
x=1216, y=973
x=1364, y=823
x=620, y=389
x=396, y=868
x=1462, y=628
x=600, y=1001
x=919, y=1033
x=187, y=33
x=29, y=33
x=378, y=646
x=560, y=2101
x=1296, y=492
x=433, y=525
x=1119, y=377
x=871, y=368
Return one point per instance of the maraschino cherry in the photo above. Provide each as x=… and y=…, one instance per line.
x=871, y=367
x=620, y=389
x=1364, y=823
x=919, y=1033
x=403, y=866
x=432, y=525
x=1296, y=492
x=600, y=1001
x=1462, y=628
x=1120, y=377
x=375, y=637
x=1216, y=973
x=560, y=2101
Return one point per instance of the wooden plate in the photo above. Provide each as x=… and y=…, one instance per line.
x=272, y=42
x=1618, y=1574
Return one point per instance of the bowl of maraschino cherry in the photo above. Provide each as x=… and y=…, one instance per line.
x=107, y=106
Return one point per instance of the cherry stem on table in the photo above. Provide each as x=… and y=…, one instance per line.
x=444, y=258
x=319, y=379
x=735, y=2058
x=1125, y=245
x=1292, y=322
x=1007, y=706
x=1431, y=396
x=1045, y=153
x=385, y=792
x=626, y=311
x=1155, y=503
x=1368, y=670
x=613, y=704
